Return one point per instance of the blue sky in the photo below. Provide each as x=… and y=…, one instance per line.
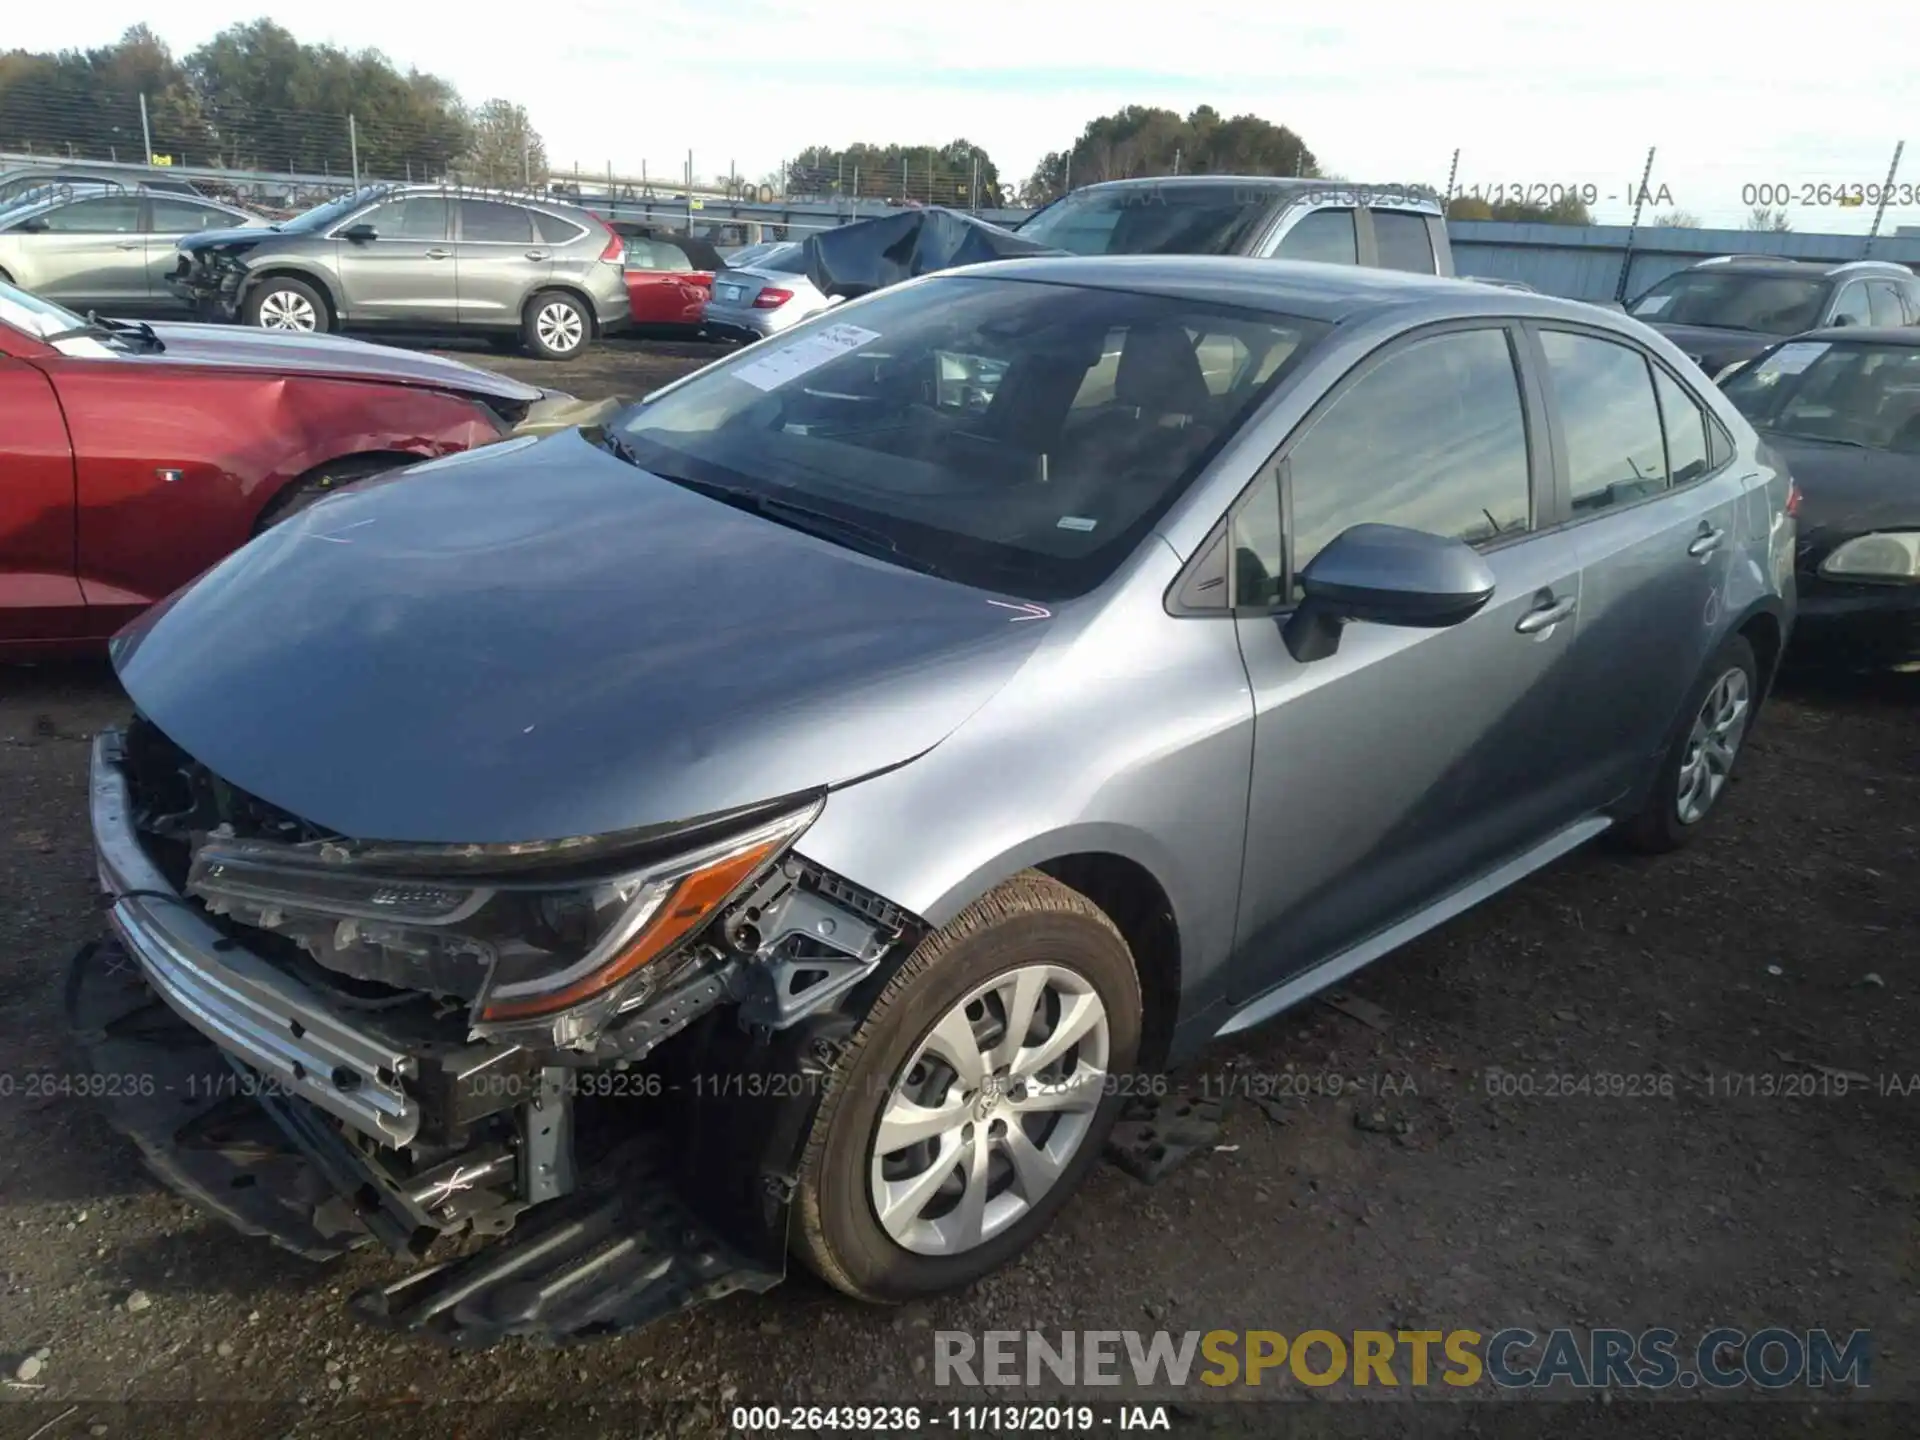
x=1530, y=95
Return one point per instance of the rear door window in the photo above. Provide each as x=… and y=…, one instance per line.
x=1883, y=303
x=483, y=221
x=1689, y=446
x=1323, y=235
x=1616, y=450
x=178, y=217
x=1402, y=240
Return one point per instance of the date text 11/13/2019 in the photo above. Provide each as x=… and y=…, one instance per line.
x=1546, y=193
x=960, y=1419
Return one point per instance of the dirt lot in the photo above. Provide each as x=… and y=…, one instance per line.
x=1428, y=1199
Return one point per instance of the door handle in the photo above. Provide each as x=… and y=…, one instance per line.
x=130, y=245
x=537, y=255
x=1706, y=542
x=1546, y=617
x=439, y=254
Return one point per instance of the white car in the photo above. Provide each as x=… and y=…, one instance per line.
x=765, y=297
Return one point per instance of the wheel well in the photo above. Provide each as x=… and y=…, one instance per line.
x=1139, y=908
x=371, y=461
x=319, y=286
x=586, y=304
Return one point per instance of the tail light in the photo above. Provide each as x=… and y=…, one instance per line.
x=1793, y=499
x=771, y=299
x=616, y=251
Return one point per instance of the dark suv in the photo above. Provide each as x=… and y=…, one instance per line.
x=1728, y=309
x=1392, y=227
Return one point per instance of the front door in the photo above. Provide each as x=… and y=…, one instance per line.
x=405, y=274
x=1410, y=761
x=39, y=591
x=92, y=255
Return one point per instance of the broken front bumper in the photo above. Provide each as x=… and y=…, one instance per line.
x=248, y=1008
x=250, y=1094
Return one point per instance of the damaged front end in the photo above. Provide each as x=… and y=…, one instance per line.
x=346, y=1042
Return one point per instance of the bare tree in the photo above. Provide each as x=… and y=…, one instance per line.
x=1676, y=220
x=506, y=149
x=1761, y=218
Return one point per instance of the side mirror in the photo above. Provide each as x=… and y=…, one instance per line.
x=1840, y=320
x=360, y=232
x=1385, y=575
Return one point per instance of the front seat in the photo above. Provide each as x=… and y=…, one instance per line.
x=1159, y=375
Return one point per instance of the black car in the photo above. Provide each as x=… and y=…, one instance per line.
x=1728, y=309
x=1842, y=406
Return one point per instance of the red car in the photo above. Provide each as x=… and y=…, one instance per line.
x=669, y=276
x=133, y=457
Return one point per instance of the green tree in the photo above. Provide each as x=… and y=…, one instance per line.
x=1149, y=140
x=506, y=150
x=921, y=174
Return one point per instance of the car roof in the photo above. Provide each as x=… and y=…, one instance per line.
x=1785, y=265
x=1303, y=288
x=1279, y=187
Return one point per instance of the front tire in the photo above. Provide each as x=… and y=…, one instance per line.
x=973, y=1098
x=1699, y=763
x=284, y=303
x=556, y=326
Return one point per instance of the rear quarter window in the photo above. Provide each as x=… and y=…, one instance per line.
x=554, y=230
x=1403, y=241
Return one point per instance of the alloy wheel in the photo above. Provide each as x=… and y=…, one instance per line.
x=1713, y=745
x=560, y=327
x=288, y=310
x=986, y=1115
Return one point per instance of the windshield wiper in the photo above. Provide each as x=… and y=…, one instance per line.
x=96, y=329
x=139, y=328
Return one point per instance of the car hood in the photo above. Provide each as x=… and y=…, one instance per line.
x=234, y=238
x=1713, y=347
x=535, y=640
x=333, y=355
x=1847, y=491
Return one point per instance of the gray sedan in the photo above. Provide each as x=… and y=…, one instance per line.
x=768, y=294
x=104, y=246
x=913, y=732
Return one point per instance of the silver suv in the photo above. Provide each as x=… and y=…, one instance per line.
x=422, y=258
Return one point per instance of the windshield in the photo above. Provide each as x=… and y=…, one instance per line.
x=1014, y=436
x=1161, y=219
x=1728, y=300
x=321, y=216
x=1847, y=393
x=42, y=318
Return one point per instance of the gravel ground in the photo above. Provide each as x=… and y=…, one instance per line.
x=1421, y=1196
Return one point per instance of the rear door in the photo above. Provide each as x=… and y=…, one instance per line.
x=168, y=218
x=1410, y=761
x=500, y=259
x=663, y=283
x=40, y=595
x=92, y=254
x=1647, y=491
x=405, y=274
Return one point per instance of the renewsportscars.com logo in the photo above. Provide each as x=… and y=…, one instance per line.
x=1723, y=1358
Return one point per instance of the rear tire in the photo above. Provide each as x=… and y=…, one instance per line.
x=556, y=326
x=322, y=481
x=283, y=303
x=1030, y=932
x=1699, y=763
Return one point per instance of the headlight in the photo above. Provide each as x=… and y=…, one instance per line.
x=1894, y=556
x=518, y=947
